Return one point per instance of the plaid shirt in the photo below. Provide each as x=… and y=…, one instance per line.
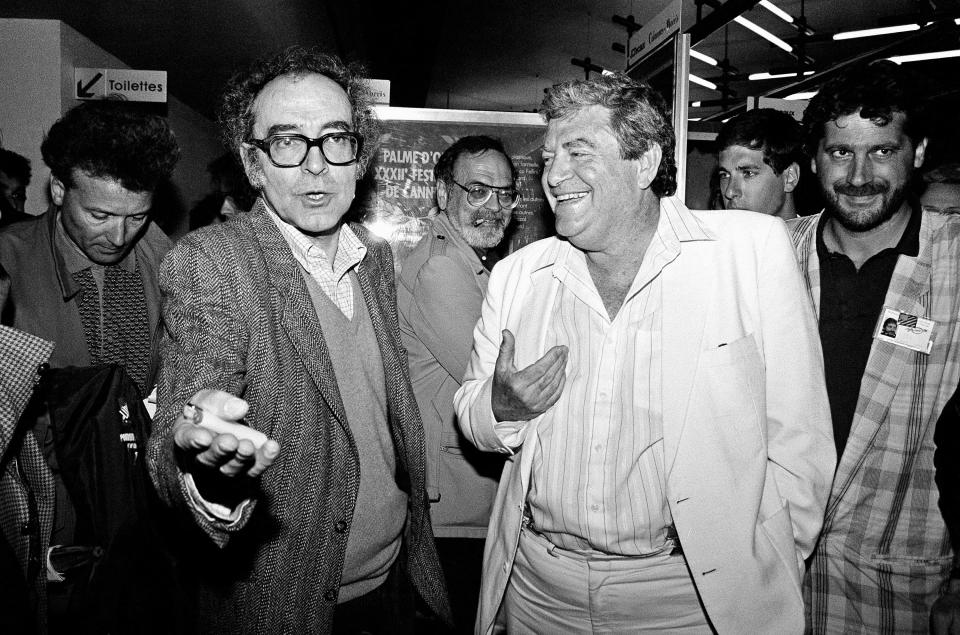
x=884, y=556
x=24, y=471
x=333, y=280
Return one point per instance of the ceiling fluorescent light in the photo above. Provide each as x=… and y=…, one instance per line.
x=756, y=76
x=767, y=35
x=777, y=11
x=801, y=95
x=706, y=59
x=694, y=104
x=884, y=30
x=702, y=82
x=693, y=119
x=922, y=57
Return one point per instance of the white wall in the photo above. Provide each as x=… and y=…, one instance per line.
x=37, y=76
x=30, y=95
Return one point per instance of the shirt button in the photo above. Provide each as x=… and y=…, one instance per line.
x=341, y=527
x=331, y=595
x=598, y=447
x=595, y=507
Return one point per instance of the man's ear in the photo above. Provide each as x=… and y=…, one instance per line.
x=649, y=165
x=57, y=191
x=441, y=196
x=920, y=153
x=790, y=177
x=251, y=167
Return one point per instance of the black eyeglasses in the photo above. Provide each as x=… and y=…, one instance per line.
x=478, y=194
x=290, y=150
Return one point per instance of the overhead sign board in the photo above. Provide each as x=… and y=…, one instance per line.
x=654, y=33
x=132, y=85
x=381, y=90
x=793, y=107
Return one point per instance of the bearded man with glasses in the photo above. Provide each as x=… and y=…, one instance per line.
x=439, y=293
x=285, y=318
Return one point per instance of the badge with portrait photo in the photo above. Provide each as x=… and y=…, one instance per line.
x=903, y=329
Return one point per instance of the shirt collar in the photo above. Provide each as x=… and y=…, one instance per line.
x=350, y=249
x=676, y=225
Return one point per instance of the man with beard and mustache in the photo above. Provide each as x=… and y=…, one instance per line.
x=439, y=292
x=884, y=555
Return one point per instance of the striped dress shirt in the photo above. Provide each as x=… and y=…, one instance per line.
x=333, y=280
x=598, y=472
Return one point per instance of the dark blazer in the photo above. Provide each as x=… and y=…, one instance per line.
x=240, y=319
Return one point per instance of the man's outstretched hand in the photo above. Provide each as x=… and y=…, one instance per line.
x=520, y=395
x=210, y=437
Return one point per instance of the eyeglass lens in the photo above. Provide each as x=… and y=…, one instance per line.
x=478, y=195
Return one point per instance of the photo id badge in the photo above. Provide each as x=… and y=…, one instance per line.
x=903, y=329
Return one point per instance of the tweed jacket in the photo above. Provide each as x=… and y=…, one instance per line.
x=43, y=293
x=24, y=474
x=747, y=445
x=240, y=319
x=884, y=554
x=439, y=292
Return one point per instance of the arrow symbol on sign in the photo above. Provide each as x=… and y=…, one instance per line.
x=83, y=89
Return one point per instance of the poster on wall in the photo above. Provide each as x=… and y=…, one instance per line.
x=399, y=190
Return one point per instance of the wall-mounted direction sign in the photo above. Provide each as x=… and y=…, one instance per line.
x=653, y=33
x=96, y=83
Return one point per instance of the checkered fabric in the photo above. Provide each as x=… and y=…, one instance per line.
x=119, y=333
x=884, y=554
x=26, y=510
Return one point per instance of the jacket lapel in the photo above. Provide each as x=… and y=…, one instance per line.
x=687, y=293
x=298, y=316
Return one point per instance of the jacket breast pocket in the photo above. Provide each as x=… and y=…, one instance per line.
x=731, y=380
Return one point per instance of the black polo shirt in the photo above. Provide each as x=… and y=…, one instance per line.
x=851, y=302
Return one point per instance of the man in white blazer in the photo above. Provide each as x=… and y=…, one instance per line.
x=655, y=378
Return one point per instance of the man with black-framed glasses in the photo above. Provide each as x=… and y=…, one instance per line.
x=282, y=324
x=439, y=293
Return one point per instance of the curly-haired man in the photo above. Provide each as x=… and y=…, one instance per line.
x=84, y=276
x=874, y=254
x=287, y=316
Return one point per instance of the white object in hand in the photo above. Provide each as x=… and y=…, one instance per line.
x=221, y=426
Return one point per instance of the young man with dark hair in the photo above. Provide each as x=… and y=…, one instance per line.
x=872, y=256
x=759, y=163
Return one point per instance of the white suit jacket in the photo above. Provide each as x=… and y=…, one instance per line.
x=748, y=445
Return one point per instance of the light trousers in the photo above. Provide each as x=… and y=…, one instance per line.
x=552, y=590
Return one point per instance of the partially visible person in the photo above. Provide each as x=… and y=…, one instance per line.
x=654, y=376
x=942, y=190
x=231, y=193
x=84, y=276
x=14, y=179
x=286, y=318
x=439, y=292
x=945, y=616
x=761, y=152
x=884, y=556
